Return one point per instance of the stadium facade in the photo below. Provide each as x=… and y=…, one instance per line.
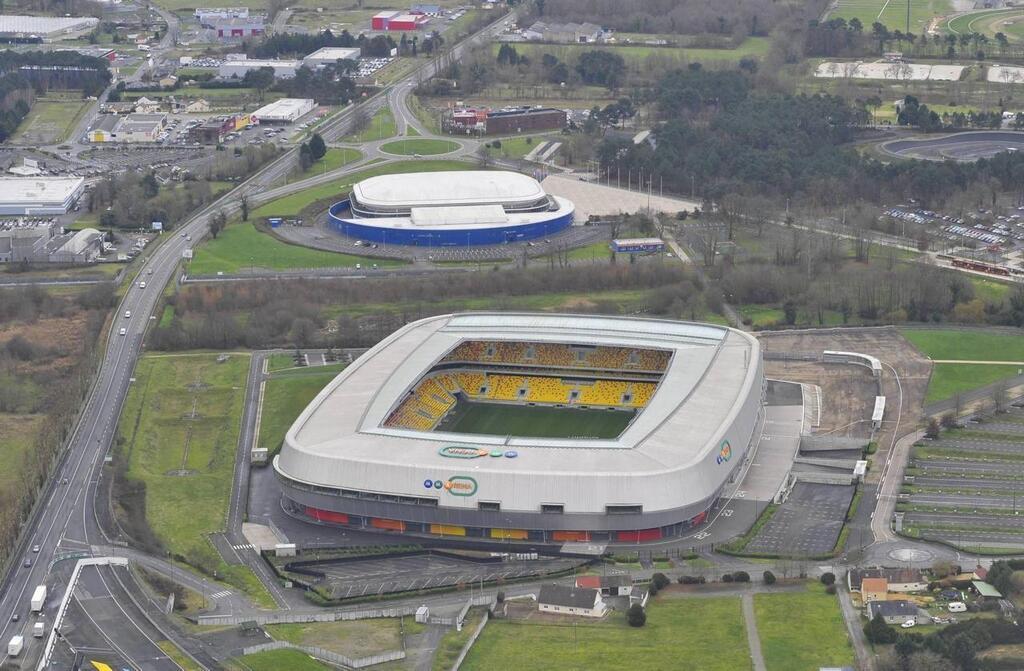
x=378, y=448
x=450, y=209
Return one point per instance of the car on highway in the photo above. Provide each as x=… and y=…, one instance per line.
x=15, y=617
x=142, y=285
x=27, y=563
x=127, y=314
x=35, y=548
x=123, y=331
x=149, y=272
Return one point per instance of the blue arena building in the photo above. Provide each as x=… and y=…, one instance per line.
x=450, y=209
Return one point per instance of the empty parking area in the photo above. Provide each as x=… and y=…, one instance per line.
x=966, y=487
x=386, y=575
x=807, y=524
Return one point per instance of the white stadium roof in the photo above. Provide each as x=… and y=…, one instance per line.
x=36, y=190
x=463, y=187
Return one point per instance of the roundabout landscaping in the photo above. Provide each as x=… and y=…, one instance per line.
x=419, y=146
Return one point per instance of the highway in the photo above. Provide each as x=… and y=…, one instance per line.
x=64, y=518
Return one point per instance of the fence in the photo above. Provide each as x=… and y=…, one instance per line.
x=289, y=617
x=472, y=639
x=328, y=655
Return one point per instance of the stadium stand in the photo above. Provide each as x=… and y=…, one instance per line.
x=602, y=392
x=547, y=390
x=423, y=408
x=565, y=356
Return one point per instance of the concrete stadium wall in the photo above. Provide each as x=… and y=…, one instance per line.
x=442, y=237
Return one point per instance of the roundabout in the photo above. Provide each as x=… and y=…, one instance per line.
x=419, y=146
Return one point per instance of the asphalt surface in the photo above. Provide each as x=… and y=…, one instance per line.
x=968, y=146
x=65, y=515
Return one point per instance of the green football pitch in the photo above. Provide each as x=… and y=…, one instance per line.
x=530, y=421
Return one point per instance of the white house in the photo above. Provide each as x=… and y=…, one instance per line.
x=564, y=600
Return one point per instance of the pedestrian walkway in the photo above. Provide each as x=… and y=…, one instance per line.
x=753, y=639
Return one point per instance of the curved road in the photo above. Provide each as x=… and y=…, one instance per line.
x=64, y=518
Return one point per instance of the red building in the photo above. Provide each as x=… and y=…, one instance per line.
x=396, y=21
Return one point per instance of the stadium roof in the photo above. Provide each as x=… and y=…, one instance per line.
x=34, y=190
x=460, y=187
x=712, y=371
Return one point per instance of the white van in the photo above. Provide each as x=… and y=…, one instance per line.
x=957, y=607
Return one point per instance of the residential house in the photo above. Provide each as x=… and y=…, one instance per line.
x=609, y=585
x=146, y=106
x=874, y=589
x=894, y=612
x=900, y=579
x=197, y=106
x=564, y=600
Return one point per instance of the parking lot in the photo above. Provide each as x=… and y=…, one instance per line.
x=349, y=579
x=967, y=487
x=807, y=524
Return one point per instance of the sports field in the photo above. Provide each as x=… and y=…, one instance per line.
x=1010, y=22
x=534, y=421
x=892, y=13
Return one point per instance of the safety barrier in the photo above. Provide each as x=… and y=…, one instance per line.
x=289, y=617
x=328, y=655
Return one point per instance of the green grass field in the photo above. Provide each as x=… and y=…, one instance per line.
x=279, y=660
x=240, y=246
x=352, y=638
x=421, y=146
x=381, y=126
x=987, y=22
x=186, y=462
x=49, y=122
x=892, y=13
x=967, y=345
x=17, y=437
x=518, y=147
x=286, y=395
x=681, y=634
x=802, y=631
x=949, y=379
x=336, y=157
x=535, y=421
x=290, y=206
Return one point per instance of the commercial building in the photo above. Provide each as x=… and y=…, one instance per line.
x=565, y=33
x=565, y=600
x=238, y=68
x=212, y=131
x=207, y=15
x=330, y=56
x=84, y=246
x=130, y=128
x=398, y=21
x=39, y=195
x=25, y=241
x=285, y=110
x=450, y=209
x=507, y=121
x=44, y=27
x=238, y=28
x=378, y=450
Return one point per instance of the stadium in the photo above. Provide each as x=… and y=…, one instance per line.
x=450, y=209
x=530, y=427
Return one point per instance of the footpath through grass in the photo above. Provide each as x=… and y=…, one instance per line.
x=291, y=205
x=241, y=246
x=683, y=634
x=802, y=631
x=285, y=396
x=178, y=433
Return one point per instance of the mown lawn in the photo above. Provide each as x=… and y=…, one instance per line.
x=381, y=126
x=517, y=147
x=949, y=379
x=285, y=396
x=291, y=205
x=802, y=631
x=892, y=14
x=186, y=461
x=422, y=146
x=240, y=247
x=966, y=345
x=280, y=660
x=336, y=157
x=680, y=634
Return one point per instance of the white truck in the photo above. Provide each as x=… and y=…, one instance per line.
x=39, y=629
x=15, y=645
x=38, y=598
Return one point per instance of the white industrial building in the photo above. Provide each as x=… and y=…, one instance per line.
x=329, y=56
x=285, y=110
x=39, y=195
x=238, y=68
x=25, y=240
x=83, y=247
x=130, y=128
x=359, y=456
x=46, y=27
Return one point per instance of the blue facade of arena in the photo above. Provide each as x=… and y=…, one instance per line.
x=363, y=229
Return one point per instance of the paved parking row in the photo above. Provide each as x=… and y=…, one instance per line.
x=807, y=524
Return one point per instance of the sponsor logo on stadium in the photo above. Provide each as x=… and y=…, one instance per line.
x=456, y=452
x=456, y=485
x=724, y=453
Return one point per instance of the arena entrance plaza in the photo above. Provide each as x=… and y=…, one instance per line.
x=593, y=198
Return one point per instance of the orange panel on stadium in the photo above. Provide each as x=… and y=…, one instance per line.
x=515, y=534
x=391, y=525
x=447, y=530
x=570, y=535
x=326, y=515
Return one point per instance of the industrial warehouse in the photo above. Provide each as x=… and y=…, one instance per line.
x=450, y=209
x=541, y=427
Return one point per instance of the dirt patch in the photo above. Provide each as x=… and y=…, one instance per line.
x=578, y=303
x=59, y=337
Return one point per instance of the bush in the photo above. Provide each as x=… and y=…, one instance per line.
x=635, y=616
x=769, y=578
x=660, y=580
x=741, y=576
x=496, y=144
x=727, y=577
x=692, y=580
x=878, y=631
x=828, y=578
